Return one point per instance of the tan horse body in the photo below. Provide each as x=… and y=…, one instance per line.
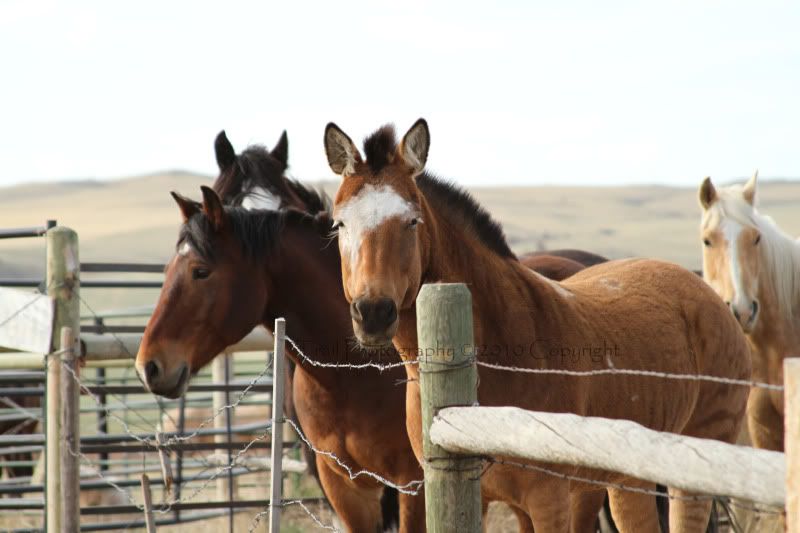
x=400, y=228
x=755, y=268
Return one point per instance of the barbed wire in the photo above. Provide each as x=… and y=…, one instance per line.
x=124, y=348
x=257, y=518
x=405, y=489
x=358, y=366
x=631, y=372
x=544, y=371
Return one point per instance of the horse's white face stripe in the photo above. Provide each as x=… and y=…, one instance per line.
x=731, y=230
x=261, y=198
x=364, y=212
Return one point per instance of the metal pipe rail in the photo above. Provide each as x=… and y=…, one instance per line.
x=33, y=231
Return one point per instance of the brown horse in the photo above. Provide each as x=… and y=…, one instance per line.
x=583, y=257
x=236, y=269
x=400, y=227
x=256, y=179
x=755, y=268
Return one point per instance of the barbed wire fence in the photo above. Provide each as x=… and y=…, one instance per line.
x=156, y=442
x=150, y=437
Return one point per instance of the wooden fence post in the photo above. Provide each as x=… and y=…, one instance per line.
x=276, y=478
x=70, y=441
x=63, y=285
x=147, y=501
x=448, y=377
x=791, y=398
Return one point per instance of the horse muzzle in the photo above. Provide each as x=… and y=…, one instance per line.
x=170, y=384
x=375, y=321
x=745, y=314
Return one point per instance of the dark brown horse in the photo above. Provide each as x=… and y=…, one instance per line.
x=236, y=269
x=255, y=179
x=399, y=228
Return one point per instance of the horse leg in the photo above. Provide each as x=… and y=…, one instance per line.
x=634, y=511
x=546, y=505
x=585, y=506
x=359, y=508
x=764, y=422
x=686, y=515
x=524, y=521
x=412, y=512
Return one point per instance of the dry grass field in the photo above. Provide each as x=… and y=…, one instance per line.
x=136, y=220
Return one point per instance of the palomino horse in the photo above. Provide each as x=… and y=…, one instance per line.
x=755, y=268
x=400, y=227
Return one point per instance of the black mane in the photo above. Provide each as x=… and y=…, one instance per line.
x=379, y=149
x=258, y=231
x=257, y=163
x=460, y=204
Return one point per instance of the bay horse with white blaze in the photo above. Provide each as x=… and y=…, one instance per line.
x=400, y=227
x=755, y=268
x=255, y=179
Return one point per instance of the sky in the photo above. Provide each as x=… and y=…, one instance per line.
x=515, y=93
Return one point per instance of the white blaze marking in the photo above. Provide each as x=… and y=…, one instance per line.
x=260, y=198
x=366, y=211
x=185, y=249
x=731, y=230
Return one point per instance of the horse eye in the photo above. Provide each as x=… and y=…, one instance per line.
x=413, y=222
x=200, y=273
x=707, y=242
x=758, y=239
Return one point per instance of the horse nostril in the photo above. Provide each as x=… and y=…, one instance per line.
x=736, y=313
x=755, y=308
x=356, y=310
x=728, y=303
x=150, y=371
x=387, y=310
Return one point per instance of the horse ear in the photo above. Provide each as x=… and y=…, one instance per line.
x=212, y=208
x=708, y=194
x=188, y=207
x=281, y=150
x=226, y=156
x=414, y=146
x=750, y=188
x=342, y=153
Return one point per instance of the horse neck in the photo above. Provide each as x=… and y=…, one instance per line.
x=500, y=286
x=778, y=325
x=305, y=287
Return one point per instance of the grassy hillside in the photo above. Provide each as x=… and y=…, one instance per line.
x=136, y=220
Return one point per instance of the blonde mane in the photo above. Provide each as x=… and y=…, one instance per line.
x=780, y=251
